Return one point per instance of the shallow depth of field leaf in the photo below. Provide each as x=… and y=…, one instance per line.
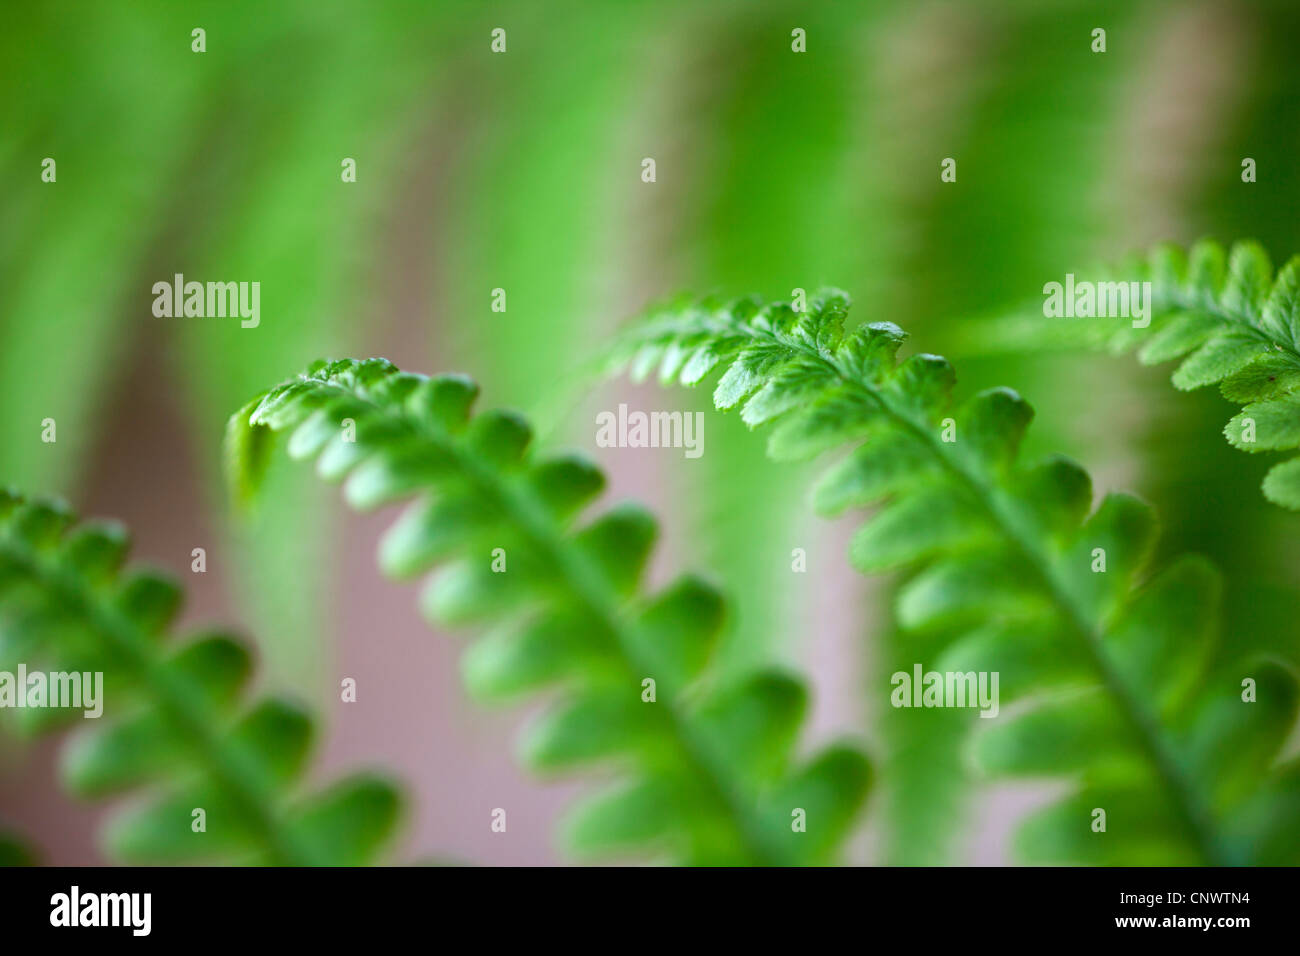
x=1231, y=320
x=1107, y=678
x=708, y=772
x=176, y=733
x=14, y=851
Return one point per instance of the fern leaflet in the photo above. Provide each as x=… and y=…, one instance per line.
x=708, y=774
x=1232, y=321
x=1118, y=674
x=178, y=732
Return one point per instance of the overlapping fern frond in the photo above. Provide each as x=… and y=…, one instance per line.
x=173, y=730
x=1233, y=322
x=707, y=774
x=1120, y=685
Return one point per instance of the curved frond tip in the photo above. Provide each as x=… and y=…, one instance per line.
x=704, y=773
x=1227, y=316
x=1012, y=571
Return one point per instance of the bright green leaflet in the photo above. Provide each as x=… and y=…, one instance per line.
x=1129, y=701
x=708, y=773
x=1234, y=323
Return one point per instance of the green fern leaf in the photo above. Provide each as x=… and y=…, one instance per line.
x=1232, y=322
x=707, y=773
x=1119, y=687
x=173, y=727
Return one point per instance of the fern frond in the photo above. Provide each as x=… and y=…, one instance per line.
x=1115, y=668
x=707, y=774
x=1232, y=322
x=173, y=729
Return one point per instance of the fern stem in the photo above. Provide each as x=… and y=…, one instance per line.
x=1181, y=300
x=1193, y=815
x=244, y=785
x=586, y=585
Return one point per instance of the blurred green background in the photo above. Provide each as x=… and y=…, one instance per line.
x=522, y=171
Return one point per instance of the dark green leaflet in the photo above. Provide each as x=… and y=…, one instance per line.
x=173, y=722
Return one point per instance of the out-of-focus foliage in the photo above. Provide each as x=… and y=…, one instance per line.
x=1239, y=322
x=14, y=851
x=520, y=171
x=1123, y=690
x=182, y=739
x=708, y=773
